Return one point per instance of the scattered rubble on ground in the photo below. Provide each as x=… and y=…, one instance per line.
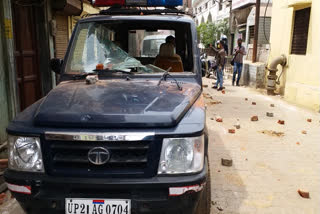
x=215, y=102
x=254, y=118
x=304, y=132
x=309, y=120
x=304, y=194
x=213, y=203
x=272, y=133
x=298, y=143
x=211, y=101
x=206, y=95
x=237, y=126
x=226, y=162
x=269, y=114
x=254, y=103
x=281, y=122
x=220, y=208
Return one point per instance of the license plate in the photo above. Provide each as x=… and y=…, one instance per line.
x=97, y=206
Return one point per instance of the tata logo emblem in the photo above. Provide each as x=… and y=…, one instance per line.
x=98, y=156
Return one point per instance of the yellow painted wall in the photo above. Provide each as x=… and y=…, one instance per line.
x=300, y=82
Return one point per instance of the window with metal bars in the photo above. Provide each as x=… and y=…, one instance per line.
x=300, y=31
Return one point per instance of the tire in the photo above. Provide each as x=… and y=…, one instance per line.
x=204, y=204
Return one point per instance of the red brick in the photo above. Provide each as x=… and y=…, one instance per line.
x=304, y=194
x=232, y=131
x=254, y=118
x=219, y=119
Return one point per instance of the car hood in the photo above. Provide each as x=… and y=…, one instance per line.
x=116, y=103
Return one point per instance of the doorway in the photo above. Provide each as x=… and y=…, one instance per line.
x=26, y=54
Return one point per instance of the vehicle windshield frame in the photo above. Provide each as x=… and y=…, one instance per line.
x=196, y=68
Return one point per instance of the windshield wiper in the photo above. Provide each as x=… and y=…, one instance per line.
x=107, y=71
x=164, y=77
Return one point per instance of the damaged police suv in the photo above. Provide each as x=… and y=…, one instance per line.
x=123, y=132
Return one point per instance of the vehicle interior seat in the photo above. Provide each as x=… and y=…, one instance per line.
x=167, y=58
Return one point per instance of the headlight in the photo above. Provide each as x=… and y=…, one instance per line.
x=181, y=155
x=25, y=154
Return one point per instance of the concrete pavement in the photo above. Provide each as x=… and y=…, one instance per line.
x=270, y=161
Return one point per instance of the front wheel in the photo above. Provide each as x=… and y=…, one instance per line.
x=204, y=205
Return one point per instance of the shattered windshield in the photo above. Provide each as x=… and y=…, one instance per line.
x=95, y=46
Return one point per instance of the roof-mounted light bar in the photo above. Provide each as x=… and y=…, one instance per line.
x=148, y=3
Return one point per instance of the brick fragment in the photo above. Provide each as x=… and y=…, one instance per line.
x=304, y=132
x=246, y=99
x=269, y=114
x=281, y=122
x=220, y=209
x=223, y=91
x=237, y=126
x=226, y=162
x=304, y=194
x=254, y=118
x=232, y=131
x=219, y=119
x=271, y=105
x=309, y=120
x=298, y=143
x=254, y=103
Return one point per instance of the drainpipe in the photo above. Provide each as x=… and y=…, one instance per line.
x=272, y=77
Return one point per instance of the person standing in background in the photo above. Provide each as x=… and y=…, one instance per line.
x=239, y=52
x=221, y=58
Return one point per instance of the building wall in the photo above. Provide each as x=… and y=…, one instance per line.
x=208, y=11
x=300, y=82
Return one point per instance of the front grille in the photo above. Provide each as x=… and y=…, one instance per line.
x=70, y=158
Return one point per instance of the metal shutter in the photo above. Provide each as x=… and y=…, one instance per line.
x=300, y=31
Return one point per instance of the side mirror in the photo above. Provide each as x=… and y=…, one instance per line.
x=55, y=65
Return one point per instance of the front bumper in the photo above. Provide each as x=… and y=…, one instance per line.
x=153, y=195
